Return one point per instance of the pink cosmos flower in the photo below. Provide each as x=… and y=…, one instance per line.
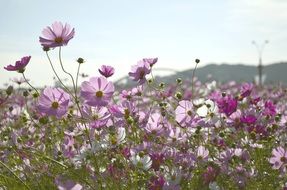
x=279, y=158
x=156, y=182
x=19, y=81
x=68, y=148
x=57, y=35
x=99, y=116
x=54, y=101
x=124, y=110
x=63, y=184
x=202, y=153
x=155, y=124
x=184, y=112
x=150, y=61
x=97, y=91
x=19, y=65
x=106, y=71
x=139, y=71
x=176, y=135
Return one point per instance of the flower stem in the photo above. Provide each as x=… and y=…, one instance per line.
x=29, y=83
x=77, y=78
x=3, y=164
x=61, y=63
x=75, y=97
x=192, y=81
x=66, y=88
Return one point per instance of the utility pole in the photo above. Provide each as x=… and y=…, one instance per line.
x=260, y=49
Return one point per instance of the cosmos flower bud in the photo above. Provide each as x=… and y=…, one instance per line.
x=80, y=60
x=9, y=90
x=25, y=93
x=178, y=95
x=161, y=85
x=179, y=81
x=46, y=48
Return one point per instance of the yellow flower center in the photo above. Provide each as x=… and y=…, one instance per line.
x=127, y=113
x=95, y=117
x=99, y=94
x=142, y=73
x=59, y=40
x=55, y=105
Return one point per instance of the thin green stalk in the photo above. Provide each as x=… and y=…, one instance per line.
x=75, y=97
x=66, y=88
x=61, y=63
x=27, y=108
x=60, y=164
x=3, y=164
x=192, y=82
x=77, y=78
x=29, y=83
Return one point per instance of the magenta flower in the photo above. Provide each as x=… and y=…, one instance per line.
x=150, y=61
x=139, y=71
x=184, y=112
x=57, y=35
x=19, y=65
x=106, y=71
x=248, y=119
x=157, y=160
x=270, y=108
x=210, y=174
x=279, y=158
x=54, y=102
x=2, y=101
x=227, y=105
x=97, y=91
x=246, y=89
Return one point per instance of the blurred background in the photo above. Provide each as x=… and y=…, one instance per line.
x=121, y=32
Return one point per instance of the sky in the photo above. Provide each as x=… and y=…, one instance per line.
x=121, y=32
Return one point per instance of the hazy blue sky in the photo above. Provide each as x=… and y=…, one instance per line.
x=121, y=32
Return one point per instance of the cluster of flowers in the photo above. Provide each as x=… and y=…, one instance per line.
x=186, y=135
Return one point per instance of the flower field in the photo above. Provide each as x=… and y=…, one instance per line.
x=184, y=135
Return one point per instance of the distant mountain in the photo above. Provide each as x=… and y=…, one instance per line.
x=274, y=73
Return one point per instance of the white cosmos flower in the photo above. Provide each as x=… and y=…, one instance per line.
x=211, y=86
x=198, y=102
x=214, y=186
x=115, y=139
x=143, y=162
x=208, y=110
